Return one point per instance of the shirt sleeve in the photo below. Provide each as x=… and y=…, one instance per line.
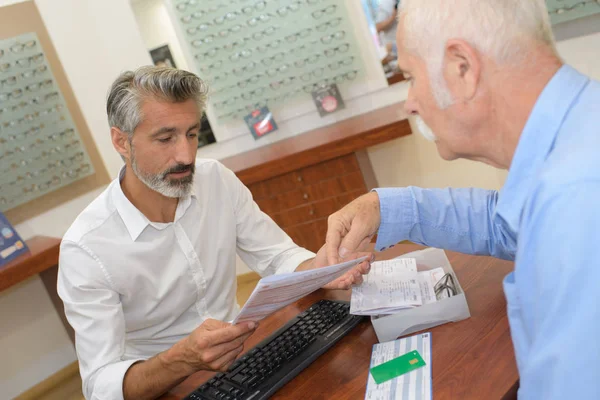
x=461, y=220
x=557, y=278
x=94, y=310
x=261, y=243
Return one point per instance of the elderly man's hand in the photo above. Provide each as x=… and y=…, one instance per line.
x=351, y=277
x=351, y=229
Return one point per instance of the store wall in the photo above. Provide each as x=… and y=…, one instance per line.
x=95, y=40
x=156, y=28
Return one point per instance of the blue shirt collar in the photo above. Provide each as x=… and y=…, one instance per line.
x=537, y=140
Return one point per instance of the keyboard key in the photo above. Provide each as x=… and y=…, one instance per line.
x=239, y=378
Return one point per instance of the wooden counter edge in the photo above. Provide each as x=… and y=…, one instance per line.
x=43, y=254
x=280, y=157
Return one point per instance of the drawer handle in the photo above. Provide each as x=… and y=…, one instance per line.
x=311, y=212
x=305, y=196
x=299, y=179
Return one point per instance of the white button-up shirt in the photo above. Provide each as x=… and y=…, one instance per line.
x=132, y=288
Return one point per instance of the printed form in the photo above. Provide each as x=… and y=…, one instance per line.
x=277, y=291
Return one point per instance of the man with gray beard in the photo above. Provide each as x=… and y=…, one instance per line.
x=486, y=77
x=147, y=271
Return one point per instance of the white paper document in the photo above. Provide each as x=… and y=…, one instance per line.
x=277, y=291
x=414, y=385
x=391, y=285
x=394, y=285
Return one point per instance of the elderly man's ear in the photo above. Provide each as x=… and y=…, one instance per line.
x=462, y=69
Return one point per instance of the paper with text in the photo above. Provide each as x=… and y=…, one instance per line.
x=394, y=285
x=390, y=286
x=277, y=291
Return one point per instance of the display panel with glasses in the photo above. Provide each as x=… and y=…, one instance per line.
x=40, y=147
x=567, y=10
x=262, y=52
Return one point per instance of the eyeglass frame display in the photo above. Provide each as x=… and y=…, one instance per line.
x=36, y=129
x=328, y=25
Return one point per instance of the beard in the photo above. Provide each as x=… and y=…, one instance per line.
x=424, y=129
x=161, y=183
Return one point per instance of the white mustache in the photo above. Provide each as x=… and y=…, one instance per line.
x=424, y=129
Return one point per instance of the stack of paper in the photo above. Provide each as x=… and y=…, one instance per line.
x=393, y=285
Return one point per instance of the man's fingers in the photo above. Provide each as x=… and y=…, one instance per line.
x=231, y=332
x=353, y=240
x=335, y=230
x=213, y=324
x=364, y=244
x=364, y=267
x=358, y=279
x=224, y=362
x=215, y=352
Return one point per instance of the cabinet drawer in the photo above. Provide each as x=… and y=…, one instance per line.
x=317, y=210
x=309, y=194
x=329, y=169
x=310, y=235
x=279, y=184
x=304, y=177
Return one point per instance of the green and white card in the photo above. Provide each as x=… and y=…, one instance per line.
x=401, y=369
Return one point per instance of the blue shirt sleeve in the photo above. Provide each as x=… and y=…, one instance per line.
x=558, y=295
x=461, y=220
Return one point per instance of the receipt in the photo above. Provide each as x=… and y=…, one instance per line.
x=394, y=285
x=391, y=285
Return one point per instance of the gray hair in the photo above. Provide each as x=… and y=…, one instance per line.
x=131, y=88
x=504, y=30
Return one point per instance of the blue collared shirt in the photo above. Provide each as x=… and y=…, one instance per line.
x=547, y=219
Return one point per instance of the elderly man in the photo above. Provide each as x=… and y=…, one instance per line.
x=147, y=270
x=485, y=76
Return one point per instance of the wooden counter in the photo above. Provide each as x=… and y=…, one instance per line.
x=300, y=181
x=471, y=359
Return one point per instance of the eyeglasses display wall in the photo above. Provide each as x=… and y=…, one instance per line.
x=567, y=10
x=263, y=52
x=40, y=147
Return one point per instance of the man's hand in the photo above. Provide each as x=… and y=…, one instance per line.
x=351, y=229
x=351, y=277
x=214, y=345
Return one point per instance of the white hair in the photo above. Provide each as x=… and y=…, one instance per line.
x=503, y=30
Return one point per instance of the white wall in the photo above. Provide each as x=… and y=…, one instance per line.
x=156, y=28
x=96, y=40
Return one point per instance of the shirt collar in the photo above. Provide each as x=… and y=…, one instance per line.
x=537, y=140
x=134, y=220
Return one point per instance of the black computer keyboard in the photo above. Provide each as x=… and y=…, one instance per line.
x=259, y=373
